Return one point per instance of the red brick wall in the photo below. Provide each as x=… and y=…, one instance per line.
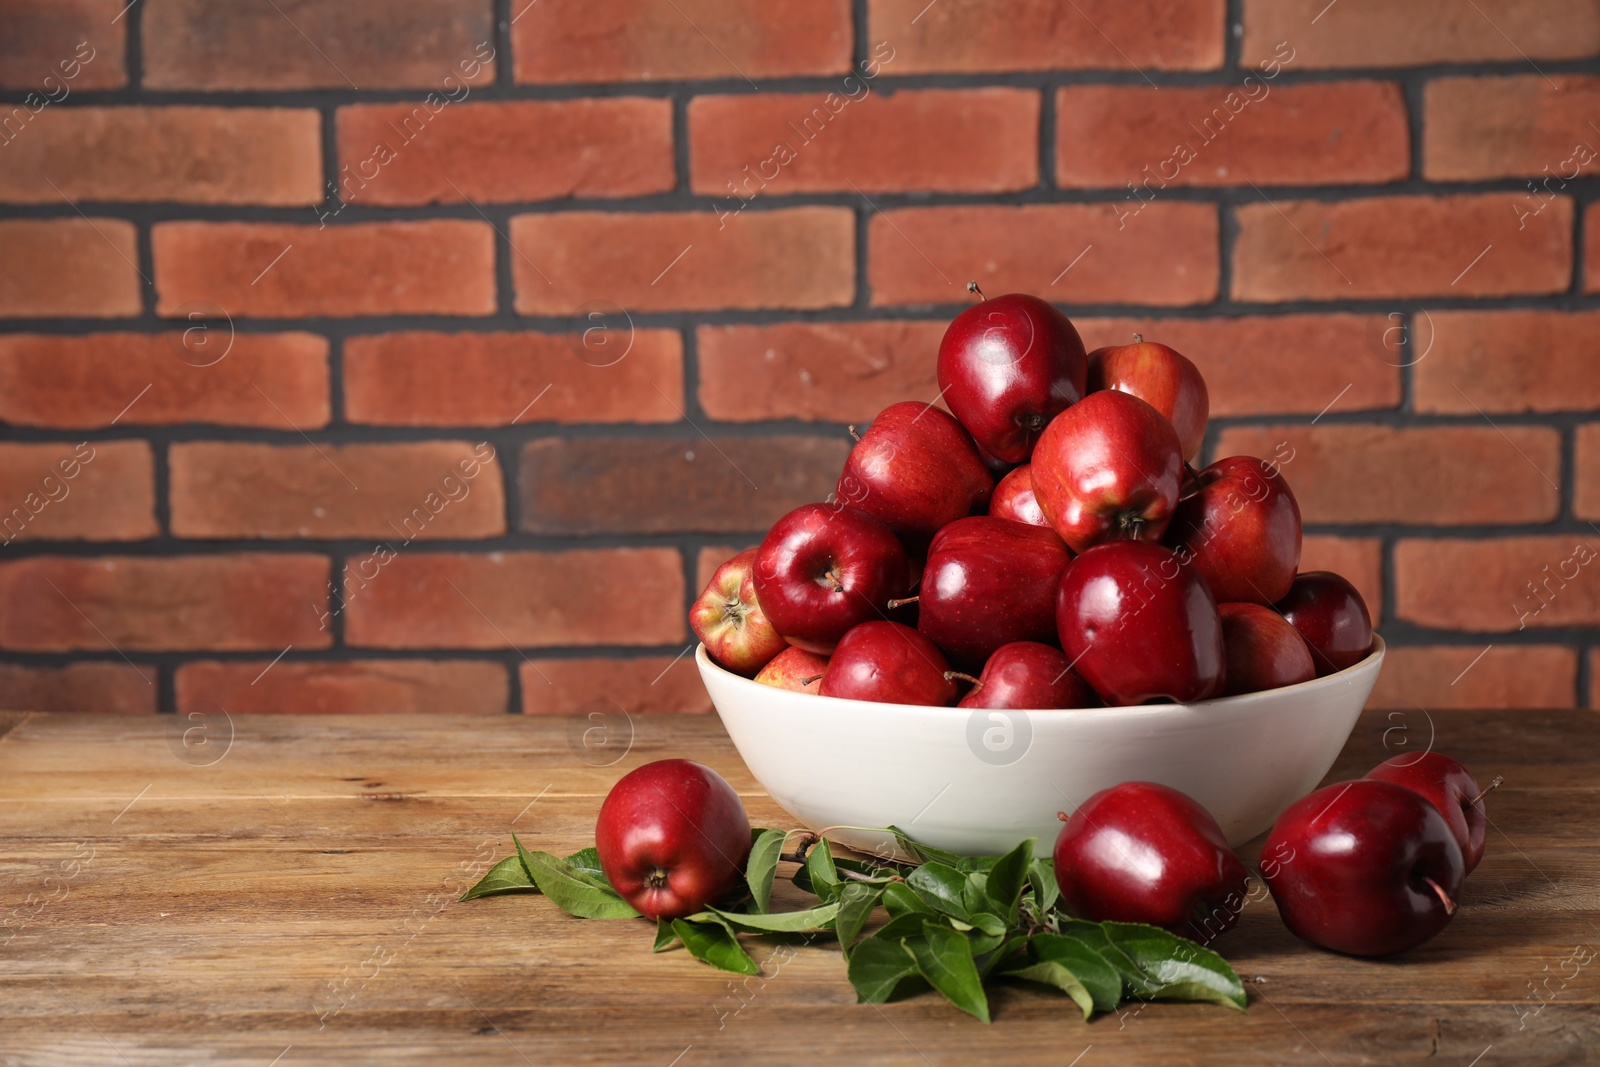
x=425, y=355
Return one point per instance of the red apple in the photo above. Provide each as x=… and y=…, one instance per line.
x=1139, y=626
x=989, y=582
x=1007, y=367
x=1241, y=531
x=794, y=669
x=1108, y=468
x=889, y=663
x=915, y=469
x=729, y=621
x=1162, y=378
x=1013, y=499
x=1263, y=650
x=1027, y=674
x=1448, y=786
x=824, y=568
x=1332, y=617
x=672, y=837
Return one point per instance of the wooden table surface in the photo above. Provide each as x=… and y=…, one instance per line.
x=279, y=890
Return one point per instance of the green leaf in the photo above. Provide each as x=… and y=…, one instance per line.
x=939, y=886
x=877, y=968
x=507, y=876
x=666, y=936
x=975, y=891
x=1101, y=980
x=588, y=861
x=857, y=901
x=572, y=890
x=925, y=853
x=903, y=926
x=900, y=899
x=1181, y=969
x=820, y=917
x=1042, y=878
x=763, y=865
x=1135, y=979
x=990, y=924
x=820, y=869
x=944, y=958
x=715, y=944
x=1007, y=877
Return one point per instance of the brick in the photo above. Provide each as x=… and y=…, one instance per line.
x=408, y=153
x=196, y=155
x=1265, y=364
x=77, y=267
x=945, y=140
x=1508, y=676
x=232, y=602
x=103, y=688
x=377, y=686
x=985, y=35
x=1593, y=699
x=1165, y=255
x=708, y=559
x=204, y=374
x=619, y=596
x=1499, y=585
x=1388, y=247
x=1505, y=361
x=73, y=43
x=1357, y=559
x=610, y=372
x=816, y=371
x=1586, y=496
x=608, y=686
x=394, y=492
x=1442, y=476
x=1377, y=33
x=442, y=266
x=1591, y=249
x=679, y=484
x=796, y=258
x=443, y=45
x=666, y=40
x=1511, y=127
x=104, y=491
x=1248, y=130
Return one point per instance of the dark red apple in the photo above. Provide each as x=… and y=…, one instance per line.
x=1162, y=378
x=794, y=669
x=1448, y=786
x=914, y=470
x=1013, y=499
x=672, y=837
x=1108, y=469
x=730, y=622
x=1139, y=626
x=989, y=582
x=824, y=568
x=891, y=664
x=1264, y=651
x=1366, y=867
x=1007, y=367
x=1145, y=853
x=1028, y=674
x=1332, y=617
x=1241, y=531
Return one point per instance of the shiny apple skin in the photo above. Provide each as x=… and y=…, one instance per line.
x=1264, y=651
x=1331, y=616
x=728, y=619
x=915, y=470
x=891, y=664
x=796, y=670
x=1162, y=377
x=989, y=582
x=1013, y=499
x=672, y=837
x=1139, y=626
x=1108, y=468
x=1031, y=675
x=822, y=569
x=1241, y=530
x=1007, y=366
x=1145, y=853
x=1448, y=786
x=1348, y=863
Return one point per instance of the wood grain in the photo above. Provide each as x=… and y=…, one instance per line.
x=292, y=902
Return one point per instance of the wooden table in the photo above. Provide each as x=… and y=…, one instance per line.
x=287, y=897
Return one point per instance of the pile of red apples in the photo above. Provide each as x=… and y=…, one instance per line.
x=1044, y=544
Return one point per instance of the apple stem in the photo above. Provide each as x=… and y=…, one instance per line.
x=1063, y=816
x=853, y=435
x=1491, y=787
x=1449, y=905
x=1192, y=482
x=808, y=681
x=1138, y=338
x=902, y=602
x=972, y=287
x=951, y=676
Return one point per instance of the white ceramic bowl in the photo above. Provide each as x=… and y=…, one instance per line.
x=976, y=782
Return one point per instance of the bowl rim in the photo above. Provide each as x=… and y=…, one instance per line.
x=1370, y=661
